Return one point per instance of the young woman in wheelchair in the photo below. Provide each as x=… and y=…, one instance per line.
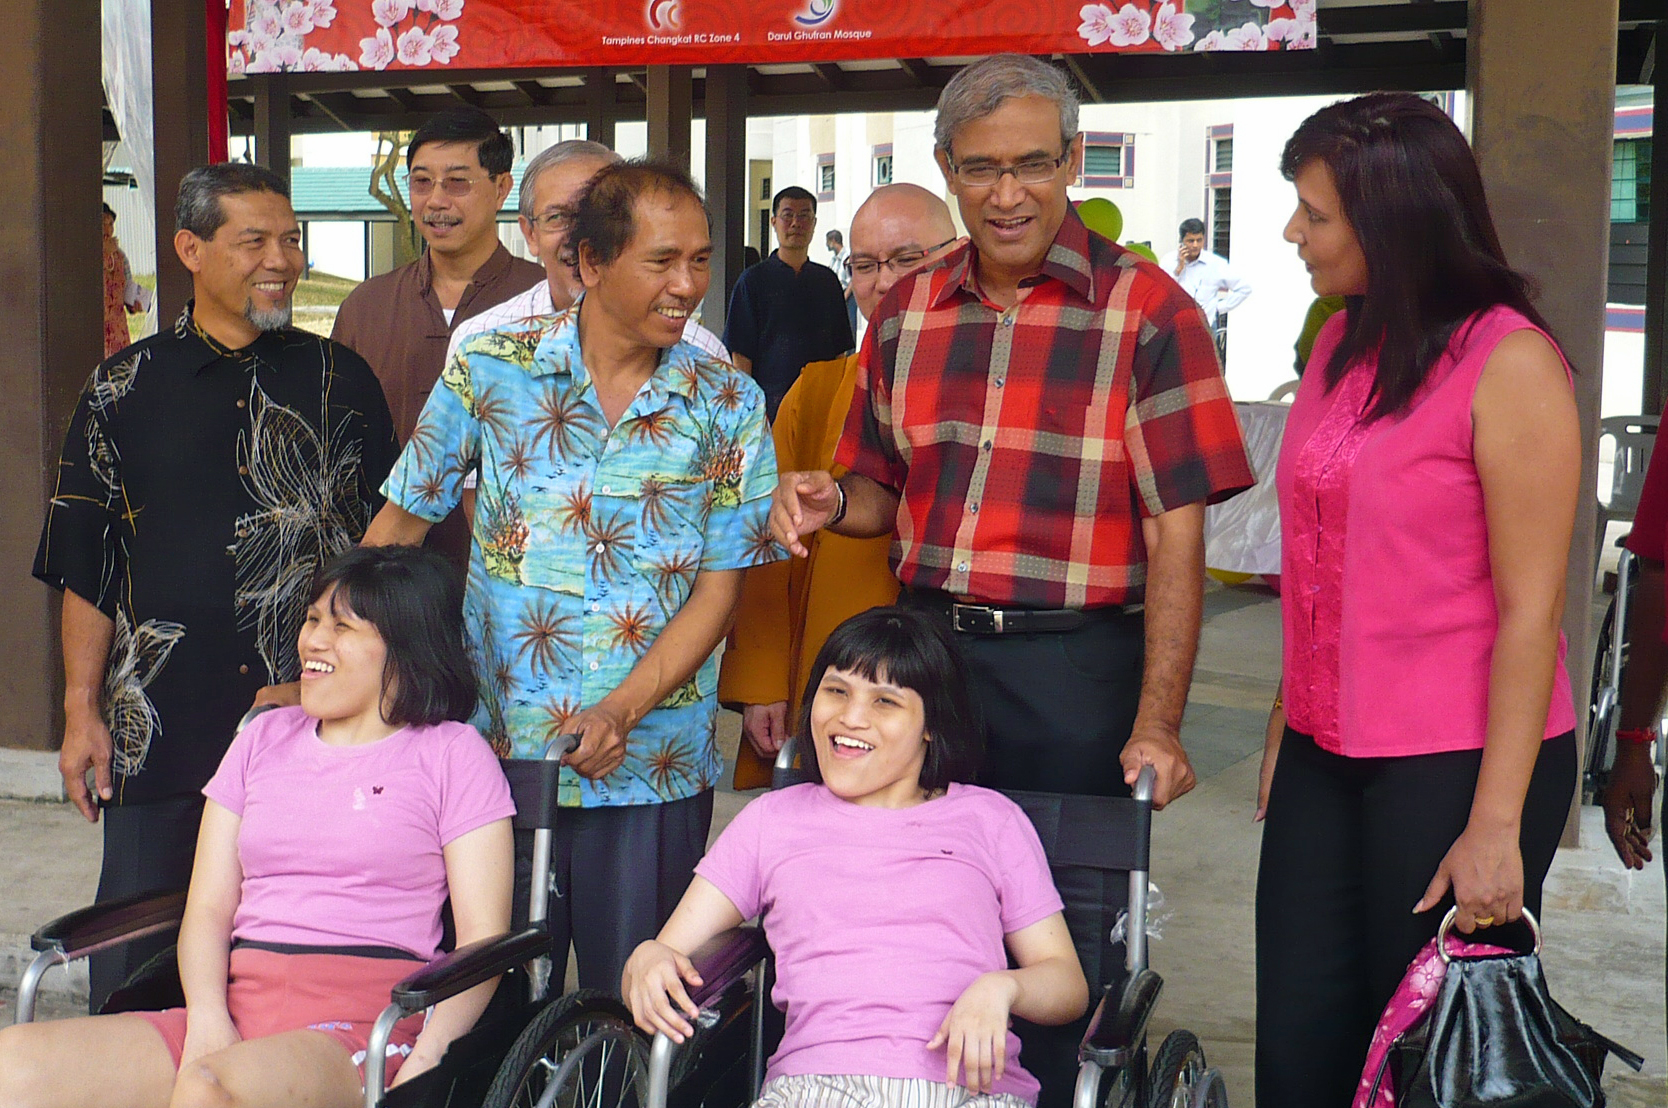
x=892, y=893
x=332, y=835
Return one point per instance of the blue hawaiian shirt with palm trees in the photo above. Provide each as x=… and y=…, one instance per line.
x=587, y=540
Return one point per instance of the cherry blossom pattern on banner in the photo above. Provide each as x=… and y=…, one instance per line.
x=273, y=39
x=1173, y=25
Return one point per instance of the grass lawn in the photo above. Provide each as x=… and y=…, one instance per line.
x=323, y=290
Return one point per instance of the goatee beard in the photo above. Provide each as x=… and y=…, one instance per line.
x=272, y=319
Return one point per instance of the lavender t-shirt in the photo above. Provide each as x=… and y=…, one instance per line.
x=341, y=845
x=880, y=918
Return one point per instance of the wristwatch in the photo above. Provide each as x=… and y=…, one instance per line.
x=839, y=512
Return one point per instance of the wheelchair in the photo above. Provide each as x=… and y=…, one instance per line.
x=583, y=1049
x=1604, y=707
x=469, y=1072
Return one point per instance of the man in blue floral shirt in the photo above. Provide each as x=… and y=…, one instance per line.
x=625, y=480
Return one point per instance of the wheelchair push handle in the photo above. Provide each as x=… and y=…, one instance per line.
x=561, y=746
x=249, y=716
x=1145, y=782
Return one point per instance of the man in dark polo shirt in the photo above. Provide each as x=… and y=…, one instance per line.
x=787, y=311
x=458, y=167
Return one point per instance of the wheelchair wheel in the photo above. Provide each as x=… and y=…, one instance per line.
x=1178, y=1071
x=581, y=1051
x=1603, y=709
x=1212, y=1091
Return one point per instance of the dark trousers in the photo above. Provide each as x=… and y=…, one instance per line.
x=1349, y=846
x=617, y=875
x=1058, y=709
x=148, y=848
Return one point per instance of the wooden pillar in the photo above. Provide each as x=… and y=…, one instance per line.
x=727, y=193
x=1656, y=251
x=52, y=297
x=272, y=123
x=599, y=105
x=670, y=94
x=1532, y=92
x=179, y=86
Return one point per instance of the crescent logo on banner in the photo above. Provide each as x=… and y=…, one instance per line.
x=663, y=15
x=816, y=12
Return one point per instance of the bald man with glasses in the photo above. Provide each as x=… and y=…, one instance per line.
x=789, y=608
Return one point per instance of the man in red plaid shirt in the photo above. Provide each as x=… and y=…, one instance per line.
x=1039, y=422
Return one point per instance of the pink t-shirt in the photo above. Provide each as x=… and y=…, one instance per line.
x=880, y=918
x=341, y=845
x=1387, y=597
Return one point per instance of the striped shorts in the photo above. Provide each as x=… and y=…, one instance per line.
x=851, y=1091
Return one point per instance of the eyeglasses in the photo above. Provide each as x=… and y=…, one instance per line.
x=1032, y=171
x=899, y=264
x=451, y=186
x=554, y=220
x=796, y=217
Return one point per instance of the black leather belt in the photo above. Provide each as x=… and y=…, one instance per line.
x=986, y=619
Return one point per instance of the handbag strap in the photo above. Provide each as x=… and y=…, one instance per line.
x=1622, y=1053
x=1378, y=1078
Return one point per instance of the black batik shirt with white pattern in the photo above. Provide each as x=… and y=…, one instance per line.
x=198, y=490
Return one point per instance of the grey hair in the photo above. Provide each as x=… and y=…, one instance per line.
x=198, y=208
x=553, y=156
x=981, y=88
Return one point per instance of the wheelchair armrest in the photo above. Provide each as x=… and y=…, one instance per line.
x=468, y=966
x=725, y=959
x=112, y=923
x=1120, y=1019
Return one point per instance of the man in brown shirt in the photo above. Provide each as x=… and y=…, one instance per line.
x=458, y=167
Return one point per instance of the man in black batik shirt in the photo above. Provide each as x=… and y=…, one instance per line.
x=208, y=471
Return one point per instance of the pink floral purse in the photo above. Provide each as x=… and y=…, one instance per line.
x=1412, y=999
x=1476, y=1026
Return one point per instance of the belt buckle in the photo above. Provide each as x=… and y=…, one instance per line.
x=976, y=619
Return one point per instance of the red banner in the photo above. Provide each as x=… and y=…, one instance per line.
x=268, y=36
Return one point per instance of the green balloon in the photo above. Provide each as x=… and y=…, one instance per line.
x=1101, y=216
x=1142, y=249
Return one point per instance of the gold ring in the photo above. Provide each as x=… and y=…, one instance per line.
x=1485, y=921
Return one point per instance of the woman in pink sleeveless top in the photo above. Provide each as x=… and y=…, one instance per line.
x=1423, y=754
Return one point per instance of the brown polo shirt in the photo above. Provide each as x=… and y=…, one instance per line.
x=394, y=321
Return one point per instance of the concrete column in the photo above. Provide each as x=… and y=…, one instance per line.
x=272, y=123
x=670, y=93
x=1533, y=93
x=727, y=191
x=179, y=86
x=52, y=297
x=599, y=105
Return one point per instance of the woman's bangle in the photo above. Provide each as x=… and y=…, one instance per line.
x=839, y=512
x=1640, y=735
x=1278, y=702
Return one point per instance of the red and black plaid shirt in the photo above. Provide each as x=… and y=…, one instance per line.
x=1028, y=444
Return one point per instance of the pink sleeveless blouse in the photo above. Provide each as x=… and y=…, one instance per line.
x=1388, y=603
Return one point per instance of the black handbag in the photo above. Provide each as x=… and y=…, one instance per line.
x=1495, y=1037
